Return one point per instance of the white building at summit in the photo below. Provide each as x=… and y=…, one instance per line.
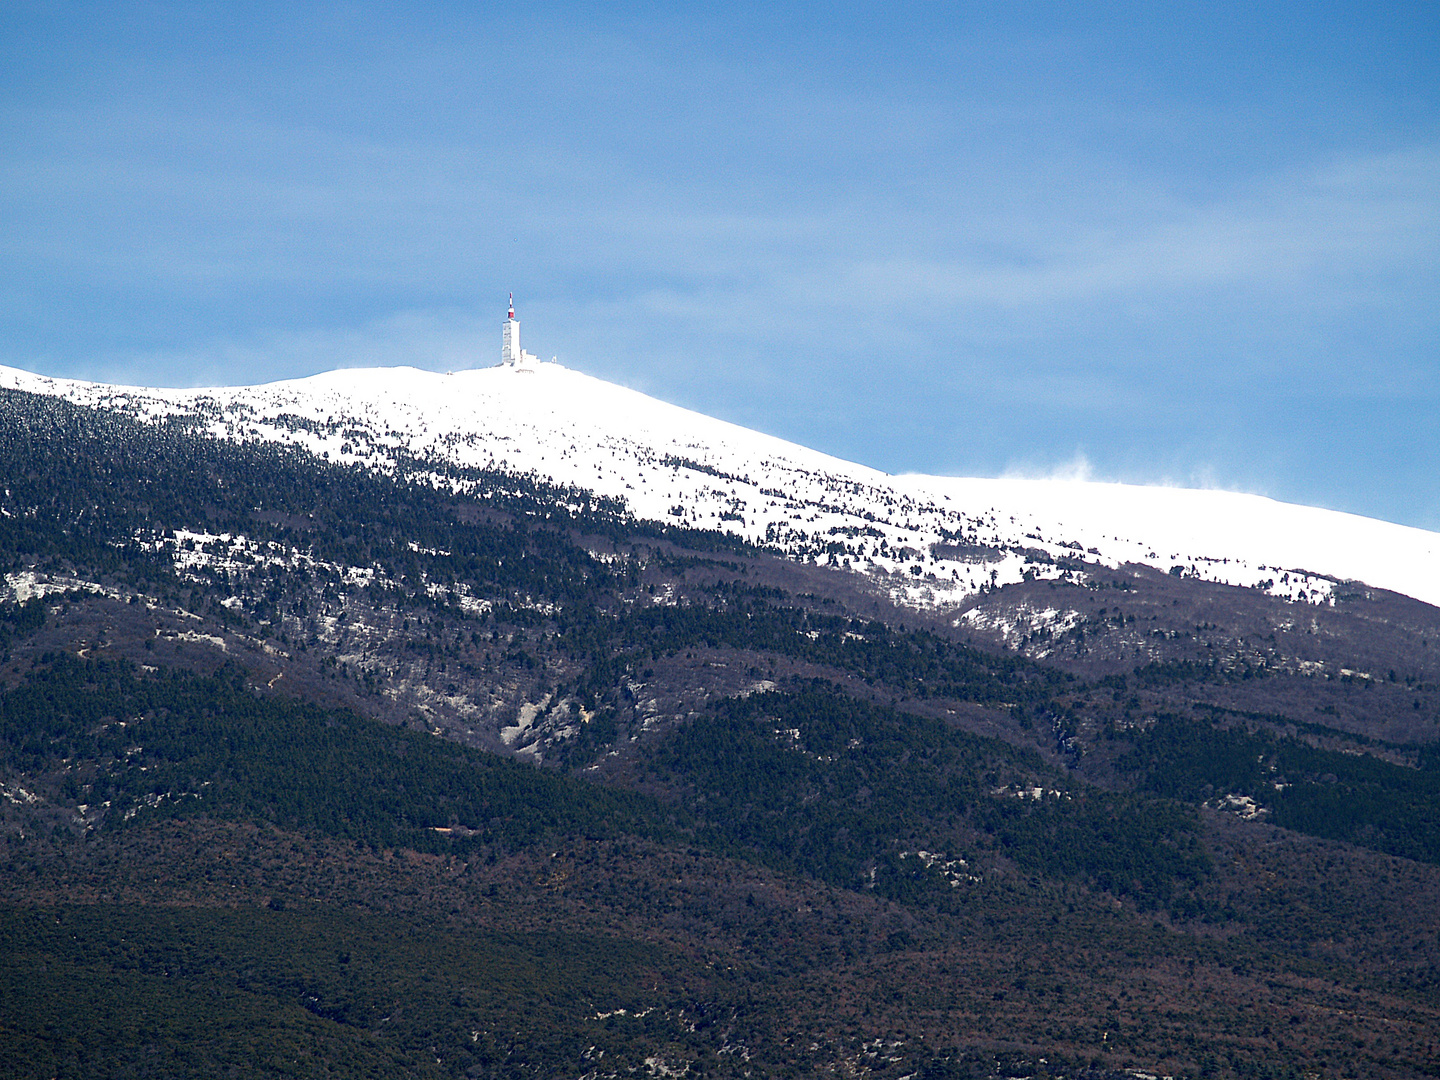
x=511, y=354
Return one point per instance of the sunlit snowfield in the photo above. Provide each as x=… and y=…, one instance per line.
x=929, y=541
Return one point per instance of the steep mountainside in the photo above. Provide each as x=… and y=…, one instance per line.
x=397, y=717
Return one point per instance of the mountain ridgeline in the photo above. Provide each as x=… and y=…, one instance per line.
x=449, y=771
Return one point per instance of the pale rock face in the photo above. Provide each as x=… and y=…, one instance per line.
x=929, y=541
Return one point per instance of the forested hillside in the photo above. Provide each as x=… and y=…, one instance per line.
x=323, y=769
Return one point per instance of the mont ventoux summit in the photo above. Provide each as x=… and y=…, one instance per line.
x=541, y=419
x=508, y=722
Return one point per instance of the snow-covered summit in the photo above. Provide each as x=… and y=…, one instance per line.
x=927, y=540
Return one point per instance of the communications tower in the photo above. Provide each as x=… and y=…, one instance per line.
x=511, y=354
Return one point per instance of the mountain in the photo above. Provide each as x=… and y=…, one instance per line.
x=924, y=539
x=511, y=723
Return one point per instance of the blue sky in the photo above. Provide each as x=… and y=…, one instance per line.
x=1187, y=243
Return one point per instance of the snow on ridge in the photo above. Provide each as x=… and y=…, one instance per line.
x=928, y=541
x=1198, y=527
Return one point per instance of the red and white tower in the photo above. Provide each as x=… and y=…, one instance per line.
x=510, y=351
x=511, y=354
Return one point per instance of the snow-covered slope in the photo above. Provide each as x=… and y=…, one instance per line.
x=927, y=540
